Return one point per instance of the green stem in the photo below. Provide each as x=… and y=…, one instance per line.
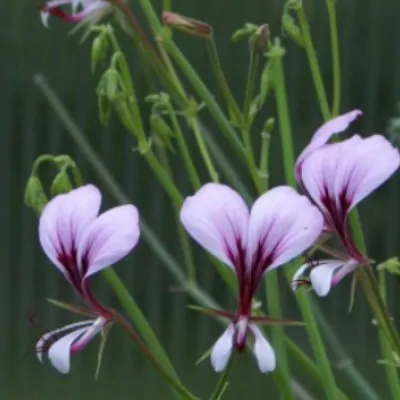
x=154, y=361
x=283, y=113
x=274, y=309
x=371, y=289
x=251, y=79
x=139, y=320
x=170, y=68
x=166, y=5
x=313, y=62
x=193, y=122
x=233, y=108
x=246, y=125
x=288, y=158
x=312, y=370
x=222, y=384
x=264, y=157
x=183, y=237
x=278, y=334
x=184, y=150
x=391, y=370
x=331, y=5
x=213, y=107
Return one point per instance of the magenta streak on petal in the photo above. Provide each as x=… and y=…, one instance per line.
x=68, y=261
x=336, y=217
x=76, y=277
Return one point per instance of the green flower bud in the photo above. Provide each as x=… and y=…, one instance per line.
x=35, y=196
x=61, y=183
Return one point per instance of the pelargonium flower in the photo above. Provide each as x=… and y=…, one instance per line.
x=88, y=9
x=80, y=243
x=336, y=177
x=281, y=225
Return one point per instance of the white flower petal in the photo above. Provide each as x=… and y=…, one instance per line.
x=44, y=16
x=282, y=225
x=222, y=349
x=298, y=275
x=60, y=352
x=263, y=351
x=321, y=276
x=90, y=333
x=108, y=239
x=41, y=344
x=216, y=217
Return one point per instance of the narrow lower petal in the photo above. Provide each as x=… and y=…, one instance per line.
x=222, y=349
x=89, y=334
x=108, y=239
x=63, y=221
x=50, y=336
x=282, y=225
x=323, y=134
x=60, y=352
x=321, y=276
x=300, y=277
x=216, y=217
x=263, y=351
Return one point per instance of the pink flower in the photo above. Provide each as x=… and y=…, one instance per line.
x=88, y=9
x=336, y=177
x=250, y=243
x=80, y=243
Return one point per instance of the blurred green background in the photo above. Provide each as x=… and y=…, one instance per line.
x=370, y=61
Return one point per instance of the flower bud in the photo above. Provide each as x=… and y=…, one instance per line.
x=188, y=25
x=291, y=29
x=61, y=183
x=99, y=50
x=35, y=196
x=260, y=38
x=160, y=130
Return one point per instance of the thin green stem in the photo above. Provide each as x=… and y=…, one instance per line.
x=222, y=384
x=272, y=295
x=167, y=5
x=170, y=68
x=183, y=392
x=194, y=123
x=331, y=6
x=278, y=334
x=264, y=157
x=371, y=289
x=251, y=79
x=283, y=113
x=209, y=100
x=246, y=125
x=288, y=158
x=390, y=367
x=183, y=237
x=313, y=62
x=233, y=107
x=183, y=148
x=312, y=370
